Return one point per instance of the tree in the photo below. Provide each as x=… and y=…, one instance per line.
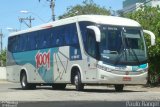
x=3, y=58
x=87, y=7
x=149, y=18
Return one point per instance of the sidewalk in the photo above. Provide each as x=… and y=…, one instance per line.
x=143, y=88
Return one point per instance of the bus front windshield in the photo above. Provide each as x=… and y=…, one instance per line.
x=122, y=45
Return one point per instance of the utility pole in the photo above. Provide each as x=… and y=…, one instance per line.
x=52, y=6
x=27, y=19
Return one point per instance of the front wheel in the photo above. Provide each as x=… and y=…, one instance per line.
x=77, y=82
x=119, y=87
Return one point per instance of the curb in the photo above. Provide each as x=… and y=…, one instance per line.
x=3, y=81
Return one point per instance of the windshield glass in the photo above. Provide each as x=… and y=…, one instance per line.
x=122, y=45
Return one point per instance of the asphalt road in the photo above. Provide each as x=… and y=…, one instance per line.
x=95, y=96
x=67, y=104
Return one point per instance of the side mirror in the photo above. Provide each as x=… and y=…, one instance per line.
x=96, y=31
x=152, y=36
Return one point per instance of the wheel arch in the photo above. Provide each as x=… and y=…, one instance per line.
x=23, y=70
x=73, y=69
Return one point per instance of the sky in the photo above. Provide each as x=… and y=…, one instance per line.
x=10, y=12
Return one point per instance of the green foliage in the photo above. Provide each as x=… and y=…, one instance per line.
x=149, y=18
x=3, y=58
x=87, y=7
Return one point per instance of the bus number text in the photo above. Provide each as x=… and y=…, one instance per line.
x=43, y=59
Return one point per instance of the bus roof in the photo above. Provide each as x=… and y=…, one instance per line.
x=100, y=19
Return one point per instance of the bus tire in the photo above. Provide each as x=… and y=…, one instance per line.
x=59, y=86
x=24, y=83
x=119, y=87
x=77, y=82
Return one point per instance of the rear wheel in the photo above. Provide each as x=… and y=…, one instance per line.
x=24, y=83
x=119, y=87
x=59, y=86
x=77, y=82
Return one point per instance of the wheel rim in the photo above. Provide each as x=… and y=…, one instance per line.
x=76, y=80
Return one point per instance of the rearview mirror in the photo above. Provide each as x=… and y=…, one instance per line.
x=152, y=36
x=96, y=31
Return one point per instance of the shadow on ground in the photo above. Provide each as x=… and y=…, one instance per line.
x=93, y=90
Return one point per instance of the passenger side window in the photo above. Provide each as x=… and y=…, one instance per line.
x=12, y=44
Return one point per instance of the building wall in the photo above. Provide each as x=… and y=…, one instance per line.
x=155, y=3
x=134, y=5
x=127, y=3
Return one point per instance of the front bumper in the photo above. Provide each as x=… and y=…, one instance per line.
x=111, y=78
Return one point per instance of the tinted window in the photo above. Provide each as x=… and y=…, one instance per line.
x=32, y=41
x=22, y=42
x=12, y=44
x=65, y=35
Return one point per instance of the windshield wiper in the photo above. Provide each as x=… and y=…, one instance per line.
x=124, y=49
x=135, y=55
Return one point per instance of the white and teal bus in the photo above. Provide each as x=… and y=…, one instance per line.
x=81, y=50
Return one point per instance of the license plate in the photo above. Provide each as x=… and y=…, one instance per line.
x=127, y=79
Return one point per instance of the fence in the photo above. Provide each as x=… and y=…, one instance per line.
x=3, y=73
